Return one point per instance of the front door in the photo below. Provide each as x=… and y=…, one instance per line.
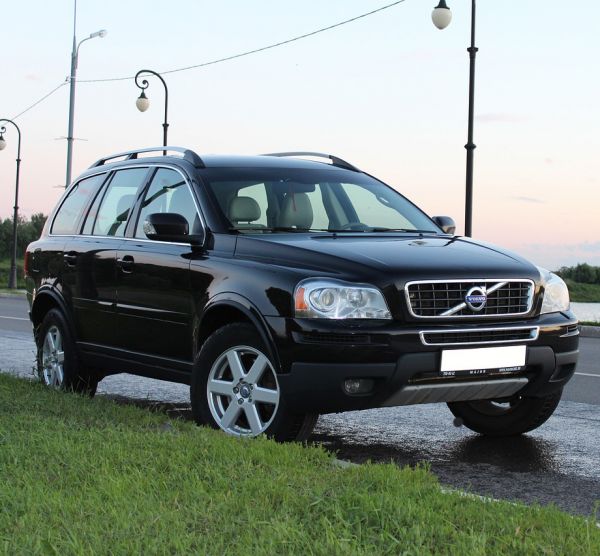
x=154, y=308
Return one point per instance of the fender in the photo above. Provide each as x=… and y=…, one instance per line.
x=45, y=292
x=246, y=307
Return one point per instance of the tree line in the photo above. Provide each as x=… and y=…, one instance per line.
x=28, y=230
x=583, y=272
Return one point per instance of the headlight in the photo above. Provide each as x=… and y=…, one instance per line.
x=333, y=299
x=556, y=293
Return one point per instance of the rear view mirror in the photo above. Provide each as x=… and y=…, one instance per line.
x=446, y=223
x=169, y=226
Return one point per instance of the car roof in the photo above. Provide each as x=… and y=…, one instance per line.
x=277, y=160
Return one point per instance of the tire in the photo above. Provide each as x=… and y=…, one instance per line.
x=512, y=418
x=58, y=363
x=235, y=388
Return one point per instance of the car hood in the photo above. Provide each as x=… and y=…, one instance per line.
x=403, y=256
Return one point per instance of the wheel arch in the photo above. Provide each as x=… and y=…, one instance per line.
x=227, y=308
x=45, y=300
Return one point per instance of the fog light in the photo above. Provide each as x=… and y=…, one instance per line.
x=358, y=385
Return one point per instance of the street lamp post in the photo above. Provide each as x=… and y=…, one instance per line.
x=441, y=17
x=74, y=59
x=143, y=103
x=12, y=277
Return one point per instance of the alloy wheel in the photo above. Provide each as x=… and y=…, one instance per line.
x=243, y=392
x=53, y=358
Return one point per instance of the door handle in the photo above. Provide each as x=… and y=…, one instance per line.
x=126, y=264
x=70, y=258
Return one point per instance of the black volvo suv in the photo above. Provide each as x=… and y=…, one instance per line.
x=280, y=288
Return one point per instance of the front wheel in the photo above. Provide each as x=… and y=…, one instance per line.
x=58, y=365
x=506, y=418
x=235, y=388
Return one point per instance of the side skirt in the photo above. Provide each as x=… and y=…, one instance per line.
x=114, y=361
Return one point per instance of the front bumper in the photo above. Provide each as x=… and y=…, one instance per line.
x=317, y=357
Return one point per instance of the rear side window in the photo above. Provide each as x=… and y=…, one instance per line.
x=68, y=215
x=118, y=202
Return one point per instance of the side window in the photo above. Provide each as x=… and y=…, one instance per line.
x=68, y=214
x=168, y=192
x=117, y=202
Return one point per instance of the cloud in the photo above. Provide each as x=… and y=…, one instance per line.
x=501, y=117
x=529, y=200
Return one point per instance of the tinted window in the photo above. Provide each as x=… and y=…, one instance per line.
x=311, y=199
x=68, y=214
x=259, y=194
x=118, y=201
x=168, y=192
x=376, y=206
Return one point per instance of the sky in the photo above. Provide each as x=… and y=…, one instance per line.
x=388, y=93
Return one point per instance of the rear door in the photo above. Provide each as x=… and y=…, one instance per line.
x=91, y=257
x=79, y=278
x=154, y=295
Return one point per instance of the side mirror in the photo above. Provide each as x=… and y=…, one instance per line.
x=446, y=223
x=169, y=226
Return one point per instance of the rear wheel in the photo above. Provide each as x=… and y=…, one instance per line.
x=57, y=361
x=506, y=418
x=235, y=388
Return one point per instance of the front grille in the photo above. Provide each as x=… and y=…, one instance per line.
x=479, y=336
x=447, y=299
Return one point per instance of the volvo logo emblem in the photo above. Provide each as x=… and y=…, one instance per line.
x=476, y=298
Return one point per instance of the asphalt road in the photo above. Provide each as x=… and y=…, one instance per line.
x=558, y=463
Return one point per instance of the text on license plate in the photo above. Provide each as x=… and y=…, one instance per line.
x=483, y=360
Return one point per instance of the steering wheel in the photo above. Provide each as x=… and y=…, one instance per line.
x=355, y=226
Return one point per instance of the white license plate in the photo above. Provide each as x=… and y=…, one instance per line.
x=475, y=361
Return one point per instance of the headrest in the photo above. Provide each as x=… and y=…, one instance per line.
x=296, y=211
x=243, y=209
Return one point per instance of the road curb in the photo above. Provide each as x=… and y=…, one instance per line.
x=13, y=294
x=589, y=331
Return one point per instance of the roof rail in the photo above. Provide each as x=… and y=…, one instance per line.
x=335, y=161
x=188, y=155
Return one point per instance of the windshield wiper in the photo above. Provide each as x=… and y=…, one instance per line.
x=404, y=230
x=271, y=229
x=375, y=230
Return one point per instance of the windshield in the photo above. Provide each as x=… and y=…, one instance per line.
x=299, y=200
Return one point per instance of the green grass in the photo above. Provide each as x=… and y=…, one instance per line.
x=5, y=271
x=583, y=293
x=80, y=476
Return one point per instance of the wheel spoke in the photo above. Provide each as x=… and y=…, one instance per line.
x=47, y=349
x=256, y=425
x=51, y=342
x=59, y=375
x=258, y=368
x=230, y=416
x=221, y=387
x=60, y=357
x=235, y=364
x=265, y=395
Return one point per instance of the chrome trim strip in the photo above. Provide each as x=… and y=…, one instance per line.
x=533, y=330
x=475, y=282
x=457, y=391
